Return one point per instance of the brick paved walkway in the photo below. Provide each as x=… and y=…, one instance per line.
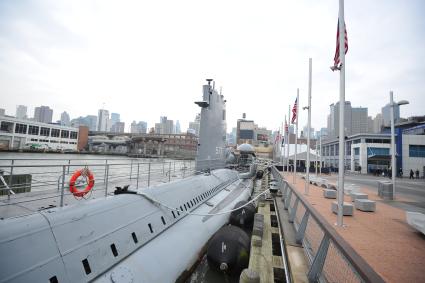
x=383, y=238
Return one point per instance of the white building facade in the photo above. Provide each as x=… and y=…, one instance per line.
x=19, y=134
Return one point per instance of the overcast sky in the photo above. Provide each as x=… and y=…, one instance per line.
x=146, y=59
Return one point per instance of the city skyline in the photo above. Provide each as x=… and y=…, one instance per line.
x=56, y=53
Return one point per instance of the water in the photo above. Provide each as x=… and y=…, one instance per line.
x=46, y=169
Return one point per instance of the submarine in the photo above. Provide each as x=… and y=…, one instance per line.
x=154, y=234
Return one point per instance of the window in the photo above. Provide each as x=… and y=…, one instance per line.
x=73, y=135
x=44, y=131
x=150, y=228
x=6, y=127
x=356, y=151
x=33, y=130
x=20, y=128
x=53, y=141
x=356, y=141
x=416, y=150
x=55, y=133
x=371, y=151
x=64, y=134
x=34, y=140
x=135, y=240
x=163, y=220
x=86, y=265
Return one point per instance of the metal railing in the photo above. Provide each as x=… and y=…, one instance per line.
x=331, y=258
x=50, y=177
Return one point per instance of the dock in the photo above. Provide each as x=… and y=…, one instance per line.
x=372, y=246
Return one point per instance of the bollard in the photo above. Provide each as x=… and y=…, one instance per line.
x=131, y=169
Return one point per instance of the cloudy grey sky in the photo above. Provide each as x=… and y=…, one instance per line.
x=145, y=59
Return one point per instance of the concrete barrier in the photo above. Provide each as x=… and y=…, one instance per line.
x=329, y=193
x=365, y=205
x=416, y=220
x=347, y=208
x=355, y=196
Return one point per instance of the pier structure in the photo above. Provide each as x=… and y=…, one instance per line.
x=375, y=244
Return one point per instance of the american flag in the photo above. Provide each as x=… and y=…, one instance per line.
x=294, y=111
x=336, y=65
x=286, y=126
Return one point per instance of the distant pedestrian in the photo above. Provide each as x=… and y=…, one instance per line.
x=417, y=173
x=411, y=174
x=400, y=173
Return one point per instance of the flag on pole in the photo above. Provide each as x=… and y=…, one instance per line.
x=336, y=65
x=294, y=111
x=277, y=138
x=286, y=127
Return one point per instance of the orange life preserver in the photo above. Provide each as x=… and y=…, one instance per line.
x=90, y=182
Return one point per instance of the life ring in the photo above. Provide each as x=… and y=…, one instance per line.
x=89, y=178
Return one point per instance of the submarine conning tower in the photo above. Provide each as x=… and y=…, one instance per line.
x=212, y=132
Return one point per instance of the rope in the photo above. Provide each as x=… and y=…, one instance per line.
x=200, y=214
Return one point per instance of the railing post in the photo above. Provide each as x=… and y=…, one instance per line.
x=131, y=170
x=107, y=177
x=301, y=229
x=138, y=168
x=149, y=175
x=10, y=178
x=163, y=167
x=287, y=202
x=63, y=185
x=293, y=211
x=174, y=167
x=69, y=164
x=184, y=169
x=319, y=260
x=169, y=172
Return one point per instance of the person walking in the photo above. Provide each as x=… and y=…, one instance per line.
x=417, y=173
x=411, y=174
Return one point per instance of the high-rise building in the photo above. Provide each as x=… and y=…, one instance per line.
x=378, y=122
x=305, y=131
x=89, y=121
x=177, y=130
x=359, y=120
x=43, y=114
x=355, y=120
x=103, y=120
x=21, y=112
x=165, y=126
x=386, y=114
x=138, y=128
x=118, y=127
x=65, y=120
x=115, y=117
x=195, y=125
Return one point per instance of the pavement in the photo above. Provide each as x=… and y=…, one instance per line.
x=410, y=193
x=383, y=238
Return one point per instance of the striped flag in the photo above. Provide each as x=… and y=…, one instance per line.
x=336, y=65
x=286, y=126
x=294, y=111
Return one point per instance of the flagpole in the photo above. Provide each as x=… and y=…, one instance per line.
x=341, y=168
x=296, y=136
x=287, y=140
x=280, y=147
x=307, y=167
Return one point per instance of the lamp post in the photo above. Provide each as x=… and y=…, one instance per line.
x=393, y=166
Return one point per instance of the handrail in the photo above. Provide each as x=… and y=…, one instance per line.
x=360, y=265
